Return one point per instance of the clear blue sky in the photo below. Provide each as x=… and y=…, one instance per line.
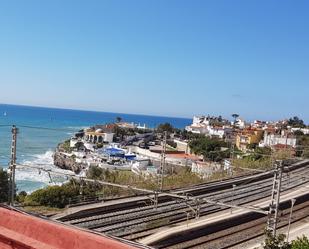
x=162, y=57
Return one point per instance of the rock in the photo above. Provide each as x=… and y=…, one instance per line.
x=66, y=162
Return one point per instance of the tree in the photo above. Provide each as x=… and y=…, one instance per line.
x=79, y=146
x=21, y=196
x=303, y=146
x=235, y=116
x=277, y=242
x=298, y=133
x=209, y=148
x=118, y=119
x=300, y=243
x=4, y=186
x=296, y=122
x=165, y=127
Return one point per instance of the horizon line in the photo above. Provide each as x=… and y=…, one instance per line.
x=97, y=111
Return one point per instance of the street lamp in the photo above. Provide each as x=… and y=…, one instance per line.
x=291, y=211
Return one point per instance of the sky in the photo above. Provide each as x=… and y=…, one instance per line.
x=158, y=57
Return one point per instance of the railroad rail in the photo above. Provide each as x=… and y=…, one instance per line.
x=136, y=220
x=235, y=232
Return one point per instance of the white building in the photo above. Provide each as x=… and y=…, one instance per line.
x=271, y=139
x=239, y=122
x=219, y=131
x=98, y=136
x=197, y=128
x=141, y=127
x=303, y=130
x=201, y=125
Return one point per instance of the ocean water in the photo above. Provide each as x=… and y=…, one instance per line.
x=35, y=146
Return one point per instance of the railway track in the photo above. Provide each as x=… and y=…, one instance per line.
x=138, y=220
x=236, y=231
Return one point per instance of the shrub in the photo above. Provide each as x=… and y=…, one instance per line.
x=300, y=243
x=4, y=186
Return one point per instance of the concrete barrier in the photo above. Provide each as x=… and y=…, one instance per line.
x=23, y=231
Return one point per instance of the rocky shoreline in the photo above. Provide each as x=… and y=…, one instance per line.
x=66, y=162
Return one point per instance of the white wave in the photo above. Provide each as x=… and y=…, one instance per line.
x=43, y=161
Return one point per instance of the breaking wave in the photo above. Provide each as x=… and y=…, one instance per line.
x=26, y=177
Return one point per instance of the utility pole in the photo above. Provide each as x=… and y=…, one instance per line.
x=291, y=211
x=232, y=159
x=162, y=163
x=275, y=199
x=13, y=165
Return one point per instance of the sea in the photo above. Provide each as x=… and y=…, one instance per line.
x=41, y=129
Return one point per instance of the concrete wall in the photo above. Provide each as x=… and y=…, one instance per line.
x=157, y=157
x=182, y=146
x=23, y=231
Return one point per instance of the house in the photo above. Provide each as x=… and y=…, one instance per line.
x=209, y=126
x=272, y=138
x=219, y=131
x=197, y=128
x=248, y=137
x=126, y=125
x=239, y=122
x=98, y=136
x=259, y=124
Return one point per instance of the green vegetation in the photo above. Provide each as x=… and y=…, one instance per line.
x=121, y=133
x=57, y=196
x=300, y=243
x=298, y=133
x=65, y=147
x=4, y=185
x=235, y=116
x=296, y=122
x=181, y=177
x=248, y=162
x=209, y=148
x=279, y=242
x=165, y=127
x=60, y=196
x=43, y=210
x=303, y=144
x=258, y=158
x=52, y=196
